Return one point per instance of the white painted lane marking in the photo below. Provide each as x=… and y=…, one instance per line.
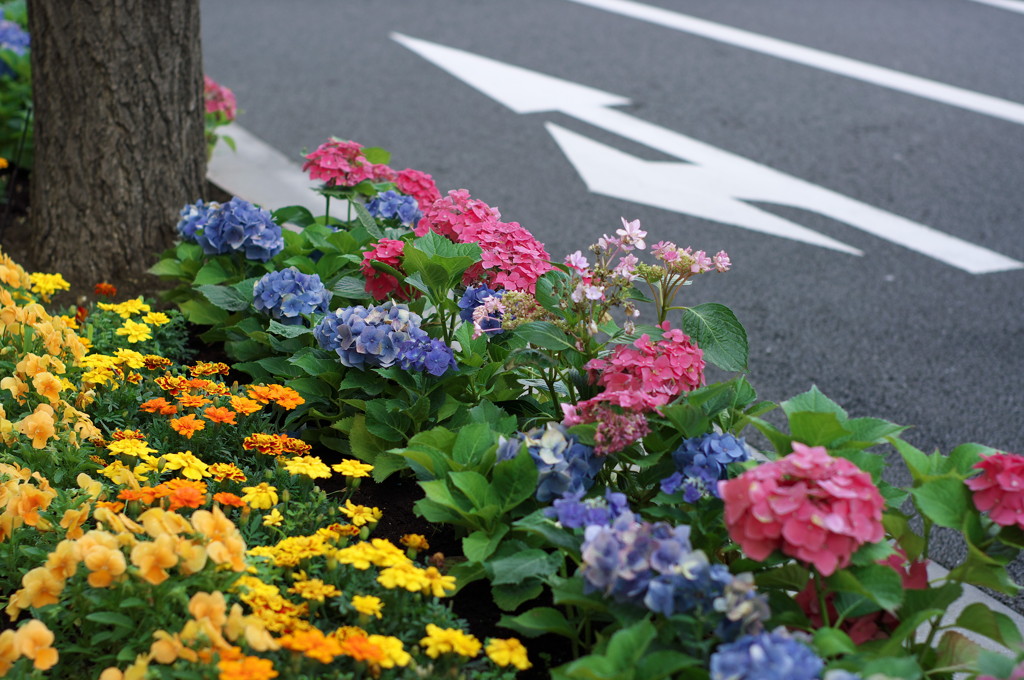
x=725, y=177
x=1012, y=5
x=826, y=61
x=679, y=187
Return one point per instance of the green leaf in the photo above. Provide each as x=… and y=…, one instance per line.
x=833, y=642
x=872, y=430
x=515, y=481
x=690, y=420
x=816, y=429
x=628, y=645
x=293, y=214
x=366, y=220
x=480, y=545
x=872, y=553
x=530, y=563
x=476, y=487
x=994, y=625
x=471, y=443
x=288, y=331
x=203, y=313
x=545, y=335
x=813, y=401
x=904, y=668
x=365, y=446
x=880, y=584
x=663, y=664
x=509, y=596
x=351, y=287
x=944, y=500
x=212, y=272
x=314, y=363
x=112, y=619
x=384, y=422
x=790, y=576
x=376, y=155
x=956, y=649
x=168, y=268
x=279, y=366
x=538, y=621
x=963, y=457
x=720, y=335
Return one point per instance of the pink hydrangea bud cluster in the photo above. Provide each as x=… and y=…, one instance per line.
x=809, y=505
x=512, y=258
x=219, y=99
x=419, y=185
x=341, y=163
x=380, y=284
x=637, y=380
x=999, y=489
x=685, y=261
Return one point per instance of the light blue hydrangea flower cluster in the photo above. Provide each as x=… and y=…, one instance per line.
x=288, y=294
x=237, y=226
x=573, y=511
x=391, y=205
x=384, y=335
x=14, y=38
x=564, y=465
x=653, y=565
x=473, y=298
x=766, y=656
x=701, y=462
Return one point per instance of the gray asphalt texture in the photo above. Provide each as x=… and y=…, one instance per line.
x=893, y=334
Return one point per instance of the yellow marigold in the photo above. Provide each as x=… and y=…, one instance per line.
x=368, y=605
x=352, y=468
x=360, y=514
x=135, y=331
x=130, y=358
x=290, y=551
x=443, y=640
x=191, y=467
x=505, y=652
x=273, y=518
x=246, y=668
x=222, y=471
x=263, y=496
x=407, y=576
x=438, y=584
x=415, y=542
x=312, y=467
x=393, y=650
x=127, y=308
x=47, y=284
x=136, y=448
x=314, y=589
x=156, y=318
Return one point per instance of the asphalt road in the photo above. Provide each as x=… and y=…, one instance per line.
x=921, y=338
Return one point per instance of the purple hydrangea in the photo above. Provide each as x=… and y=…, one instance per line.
x=288, y=294
x=743, y=610
x=194, y=218
x=432, y=356
x=14, y=38
x=766, y=656
x=369, y=337
x=701, y=462
x=575, y=512
x=473, y=298
x=238, y=226
x=564, y=465
x=392, y=205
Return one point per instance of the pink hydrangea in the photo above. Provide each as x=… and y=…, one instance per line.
x=809, y=505
x=382, y=285
x=419, y=185
x=999, y=489
x=616, y=429
x=450, y=215
x=219, y=99
x=341, y=163
x=663, y=369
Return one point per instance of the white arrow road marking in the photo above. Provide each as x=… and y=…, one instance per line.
x=679, y=187
x=732, y=177
x=1012, y=5
x=826, y=61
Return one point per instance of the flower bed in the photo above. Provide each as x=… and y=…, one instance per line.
x=553, y=413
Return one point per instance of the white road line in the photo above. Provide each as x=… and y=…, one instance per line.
x=826, y=61
x=1012, y=5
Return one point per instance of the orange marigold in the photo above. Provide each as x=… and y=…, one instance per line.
x=222, y=471
x=244, y=405
x=246, y=668
x=226, y=498
x=192, y=400
x=312, y=643
x=186, y=497
x=188, y=425
x=105, y=289
x=361, y=649
x=159, y=405
x=118, y=435
x=154, y=362
x=220, y=414
x=209, y=368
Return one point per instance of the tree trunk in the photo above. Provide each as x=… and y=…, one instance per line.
x=120, y=148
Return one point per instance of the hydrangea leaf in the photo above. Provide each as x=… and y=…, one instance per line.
x=816, y=429
x=628, y=645
x=366, y=220
x=226, y=297
x=719, y=334
x=814, y=401
x=522, y=565
x=545, y=335
x=943, y=500
x=538, y=621
x=509, y=596
x=663, y=664
x=212, y=272
x=515, y=480
x=480, y=545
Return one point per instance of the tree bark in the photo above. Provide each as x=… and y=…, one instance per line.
x=120, y=148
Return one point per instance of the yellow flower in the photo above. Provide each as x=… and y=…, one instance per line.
x=442, y=640
x=438, y=584
x=311, y=466
x=191, y=467
x=352, y=468
x=368, y=605
x=415, y=542
x=136, y=448
x=273, y=519
x=47, y=284
x=135, y=331
x=392, y=647
x=360, y=514
x=407, y=576
x=130, y=358
x=260, y=497
x=156, y=318
x=508, y=652
x=314, y=589
x=35, y=641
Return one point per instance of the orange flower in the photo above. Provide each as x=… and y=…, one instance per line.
x=361, y=649
x=35, y=641
x=220, y=414
x=38, y=426
x=222, y=471
x=118, y=435
x=153, y=558
x=104, y=565
x=39, y=587
x=48, y=386
x=105, y=289
x=186, y=497
x=144, y=494
x=268, y=444
x=17, y=386
x=159, y=405
x=113, y=506
x=187, y=426
x=209, y=368
x=314, y=644
x=8, y=651
x=192, y=554
x=192, y=400
x=230, y=551
x=74, y=519
x=154, y=362
x=244, y=405
x=158, y=522
x=286, y=397
x=171, y=384
x=210, y=606
x=246, y=668
x=63, y=561
x=28, y=501
x=261, y=393
x=226, y=498
x=214, y=525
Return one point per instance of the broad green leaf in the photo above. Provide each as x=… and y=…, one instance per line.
x=994, y=625
x=545, y=335
x=880, y=584
x=167, y=267
x=690, y=420
x=366, y=220
x=351, y=287
x=872, y=553
x=904, y=668
x=918, y=462
x=944, y=500
x=816, y=429
x=293, y=214
x=279, y=366
x=376, y=155
x=385, y=422
x=538, y=621
x=555, y=535
x=833, y=642
x=663, y=664
x=365, y=446
x=628, y=645
x=480, y=545
x=212, y=272
x=315, y=363
x=476, y=487
x=287, y=330
x=719, y=334
x=509, y=596
x=873, y=430
x=203, y=313
x=963, y=457
x=437, y=490
x=112, y=619
x=471, y=443
x=813, y=401
x=956, y=649
x=530, y=563
x=515, y=480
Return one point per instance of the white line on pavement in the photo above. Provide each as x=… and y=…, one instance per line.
x=826, y=61
x=1012, y=5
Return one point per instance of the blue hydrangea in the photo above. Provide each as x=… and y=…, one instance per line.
x=701, y=462
x=369, y=337
x=194, y=218
x=473, y=298
x=288, y=294
x=14, y=38
x=766, y=656
x=238, y=226
x=564, y=465
x=392, y=205
x=743, y=609
x=575, y=512
x=432, y=356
